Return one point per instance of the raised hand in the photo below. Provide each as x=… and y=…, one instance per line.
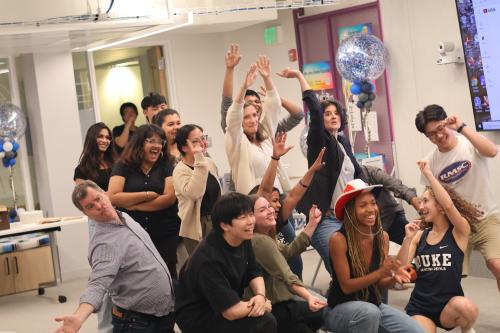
x=195, y=146
x=250, y=77
x=263, y=66
x=289, y=73
x=318, y=163
x=453, y=122
x=315, y=304
x=233, y=56
x=279, y=147
x=423, y=165
x=314, y=215
x=262, y=91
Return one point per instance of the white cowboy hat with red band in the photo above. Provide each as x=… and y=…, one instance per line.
x=353, y=188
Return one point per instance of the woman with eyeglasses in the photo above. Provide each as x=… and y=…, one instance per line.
x=141, y=186
x=249, y=141
x=170, y=122
x=97, y=158
x=196, y=185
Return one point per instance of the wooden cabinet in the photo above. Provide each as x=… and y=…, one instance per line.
x=26, y=270
x=6, y=275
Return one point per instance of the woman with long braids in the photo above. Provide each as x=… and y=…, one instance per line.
x=361, y=268
x=97, y=158
x=438, y=299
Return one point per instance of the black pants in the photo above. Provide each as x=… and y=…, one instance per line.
x=167, y=247
x=295, y=317
x=264, y=324
x=397, y=229
x=125, y=321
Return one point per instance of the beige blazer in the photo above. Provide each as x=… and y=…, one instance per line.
x=189, y=186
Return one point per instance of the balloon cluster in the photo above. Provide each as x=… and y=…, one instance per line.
x=364, y=90
x=8, y=152
x=12, y=126
x=361, y=57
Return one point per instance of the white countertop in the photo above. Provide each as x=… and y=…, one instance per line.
x=18, y=228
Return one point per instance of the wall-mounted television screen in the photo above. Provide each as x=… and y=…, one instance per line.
x=479, y=22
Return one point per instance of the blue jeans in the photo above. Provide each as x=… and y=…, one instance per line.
x=125, y=321
x=321, y=237
x=364, y=317
x=295, y=263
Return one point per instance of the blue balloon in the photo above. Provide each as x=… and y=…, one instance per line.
x=361, y=57
x=360, y=104
x=15, y=146
x=1, y=145
x=12, y=162
x=355, y=88
x=367, y=87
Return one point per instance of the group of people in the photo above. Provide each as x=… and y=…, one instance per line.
x=243, y=273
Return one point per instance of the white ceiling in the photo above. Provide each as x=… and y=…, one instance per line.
x=71, y=32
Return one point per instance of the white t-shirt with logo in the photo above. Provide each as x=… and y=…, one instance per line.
x=466, y=171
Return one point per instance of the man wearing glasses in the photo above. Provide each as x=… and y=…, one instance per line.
x=460, y=161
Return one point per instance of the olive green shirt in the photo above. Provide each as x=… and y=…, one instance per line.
x=272, y=256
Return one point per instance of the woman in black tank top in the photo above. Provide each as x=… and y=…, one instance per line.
x=361, y=267
x=438, y=299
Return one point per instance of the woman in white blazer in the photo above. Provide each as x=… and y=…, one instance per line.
x=249, y=142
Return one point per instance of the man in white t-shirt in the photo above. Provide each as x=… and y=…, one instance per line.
x=460, y=161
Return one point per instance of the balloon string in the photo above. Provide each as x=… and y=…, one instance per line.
x=12, y=187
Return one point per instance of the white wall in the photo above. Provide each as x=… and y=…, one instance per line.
x=198, y=70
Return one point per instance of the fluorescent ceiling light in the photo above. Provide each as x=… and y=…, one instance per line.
x=145, y=33
x=126, y=64
x=4, y=71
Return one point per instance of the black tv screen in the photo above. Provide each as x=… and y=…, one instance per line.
x=479, y=22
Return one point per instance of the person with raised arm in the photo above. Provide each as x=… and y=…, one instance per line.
x=438, y=299
x=248, y=138
x=284, y=205
x=460, y=161
x=232, y=59
x=327, y=121
x=292, y=315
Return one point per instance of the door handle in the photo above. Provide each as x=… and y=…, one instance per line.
x=17, y=266
x=7, y=265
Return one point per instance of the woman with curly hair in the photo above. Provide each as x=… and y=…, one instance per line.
x=141, y=185
x=438, y=299
x=97, y=158
x=361, y=268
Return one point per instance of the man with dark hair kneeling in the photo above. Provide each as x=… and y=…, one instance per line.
x=212, y=281
x=126, y=263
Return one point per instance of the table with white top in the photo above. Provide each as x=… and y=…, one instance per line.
x=17, y=229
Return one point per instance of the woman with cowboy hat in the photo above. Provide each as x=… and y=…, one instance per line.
x=361, y=267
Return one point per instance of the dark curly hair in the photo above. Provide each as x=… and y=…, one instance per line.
x=134, y=150
x=340, y=109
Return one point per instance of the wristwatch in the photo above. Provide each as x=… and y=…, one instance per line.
x=461, y=127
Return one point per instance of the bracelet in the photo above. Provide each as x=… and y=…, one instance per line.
x=461, y=127
x=275, y=158
x=302, y=184
x=260, y=294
